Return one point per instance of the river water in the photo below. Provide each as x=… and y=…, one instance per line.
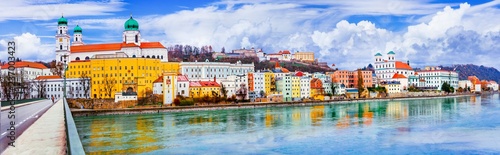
x=461, y=125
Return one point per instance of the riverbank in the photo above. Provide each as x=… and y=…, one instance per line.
x=96, y=112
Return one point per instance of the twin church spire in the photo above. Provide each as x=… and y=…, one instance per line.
x=131, y=34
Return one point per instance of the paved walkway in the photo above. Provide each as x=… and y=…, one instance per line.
x=46, y=136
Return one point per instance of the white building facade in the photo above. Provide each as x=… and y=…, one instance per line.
x=305, y=87
x=434, y=79
x=53, y=86
x=204, y=71
x=386, y=68
x=234, y=83
x=182, y=86
x=258, y=83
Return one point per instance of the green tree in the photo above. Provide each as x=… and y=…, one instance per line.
x=223, y=90
x=334, y=87
x=447, y=88
x=361, y=87
x=262, y=94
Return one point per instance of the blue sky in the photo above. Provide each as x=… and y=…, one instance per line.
x=344, y=32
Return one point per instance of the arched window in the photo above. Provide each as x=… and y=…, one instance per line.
x=162, y=57
x=60, y=47
x=136, y=38
x=133, y=56
x=130, y=89
x=77, y=58
x=147, y=56
x=153, y=57
x=76, y=38
x=143, y=56
x=157, y=56
x=60, y=31
x=61, y=58
x=87, y=58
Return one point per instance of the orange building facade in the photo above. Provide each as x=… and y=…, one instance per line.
x=251, y=86
x=350, y=78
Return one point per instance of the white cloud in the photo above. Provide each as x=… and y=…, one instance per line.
x=350, y=7
x=468, y=34
x=36, y=10
x=28, y=47
x=351, y=45
x=450, y=37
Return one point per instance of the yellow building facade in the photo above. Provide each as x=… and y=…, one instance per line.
x=111, y=75
x=269, y=82
x=199, y=89
x=295, y=87
x=304, y=56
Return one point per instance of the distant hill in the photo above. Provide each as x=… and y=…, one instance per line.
x=292, y=66
x=482, y=72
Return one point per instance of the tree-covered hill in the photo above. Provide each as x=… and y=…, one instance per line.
x=482, y=72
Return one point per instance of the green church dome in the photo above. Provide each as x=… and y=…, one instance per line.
x=378, y=54
x=77, y=29
x=391, y=52
x=62, y=21
x=131, y=25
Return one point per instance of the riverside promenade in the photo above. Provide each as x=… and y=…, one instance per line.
x=46, y=136
x=96, y=112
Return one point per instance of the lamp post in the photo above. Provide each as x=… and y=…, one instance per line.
x=63, y=72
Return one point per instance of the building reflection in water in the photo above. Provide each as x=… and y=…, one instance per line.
x=343, y=118
x=367, y=115
x=396, y=110
x=269, y=119
x=296, y=117
x=317, y=113
x=104, y=135
x=140, y=134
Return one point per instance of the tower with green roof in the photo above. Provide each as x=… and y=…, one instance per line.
x=131, y=34
x=378, y=57
x=391, y=56
x=77, y=36
x=62, y=39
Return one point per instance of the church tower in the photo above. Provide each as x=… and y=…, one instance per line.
x=62, y=40
x=131, y=34
x=391, y=56
x=77, y=36
x=378, y=58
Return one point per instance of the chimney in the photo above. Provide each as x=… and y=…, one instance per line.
x=408, y=62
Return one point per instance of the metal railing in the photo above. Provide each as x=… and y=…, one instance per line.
x=73, y=142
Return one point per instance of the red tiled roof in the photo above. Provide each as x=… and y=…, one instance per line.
x=277, y=64
x=96, y=47
x=160, y=79
x=80, y=61
x=29, y=64
x=286, y=52
x=182, y=78
x=194, y=84
x=209, y=84
x=48, y=77
x=401, y=65
x=399, y=76
x=113, y=46
x=284, y=70
x=151, y=45
x=299, y=73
